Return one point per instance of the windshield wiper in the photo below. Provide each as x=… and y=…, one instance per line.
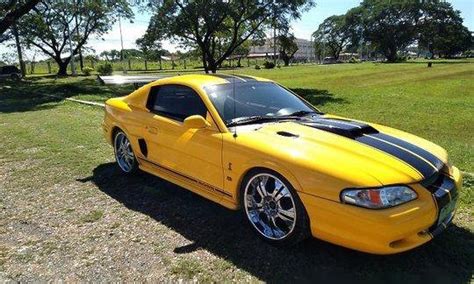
x=256, y=119
x=301, y=113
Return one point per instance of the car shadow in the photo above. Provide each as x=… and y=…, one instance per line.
x=318, y=97
x=225, y=233
x=35, y=94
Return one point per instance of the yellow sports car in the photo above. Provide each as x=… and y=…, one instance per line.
x=248, y=143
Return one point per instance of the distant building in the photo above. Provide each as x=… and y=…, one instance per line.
x=305, y=50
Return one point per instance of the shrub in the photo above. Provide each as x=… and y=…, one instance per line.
x=87, y=70
x=105, y=69
x=268, y=65
x=257, y=67
x=400, y=59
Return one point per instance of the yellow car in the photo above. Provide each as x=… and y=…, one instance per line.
x=248, y=143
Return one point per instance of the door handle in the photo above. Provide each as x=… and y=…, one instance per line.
x=151, y=129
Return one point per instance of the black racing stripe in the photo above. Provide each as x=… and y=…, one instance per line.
x=228, y=77
x=349, y=122
x=423, y=161
x=334, y=123
x=435, y=161
x=420, y=165
x=246, y=78
x=186, y=177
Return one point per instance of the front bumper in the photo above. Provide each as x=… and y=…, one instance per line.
x=385, y=231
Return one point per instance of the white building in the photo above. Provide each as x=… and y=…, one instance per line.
x=305, y=49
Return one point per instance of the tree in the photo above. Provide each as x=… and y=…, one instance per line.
x=132, y=53
x=334, y=34
x=390, y=25
x=241, y=51
x=223, y=27
x=287, y=47
x=320, y=51
x=354, y=28
x=105, y=54
x=441, y=30
x=51, y=25
x=11, y=11
x=150, y=47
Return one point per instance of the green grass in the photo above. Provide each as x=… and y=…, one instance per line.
x=58, y=180
x=93, y=216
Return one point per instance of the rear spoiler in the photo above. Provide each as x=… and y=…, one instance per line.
x=136, y=80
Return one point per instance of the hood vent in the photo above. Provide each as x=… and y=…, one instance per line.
x=341, y=127
x=287, y=134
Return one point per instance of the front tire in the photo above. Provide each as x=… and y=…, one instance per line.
x=273, y=208
x=124, y=154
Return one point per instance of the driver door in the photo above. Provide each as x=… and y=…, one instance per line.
x=193, y=154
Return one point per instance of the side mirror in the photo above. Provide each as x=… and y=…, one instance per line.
x=196, y=122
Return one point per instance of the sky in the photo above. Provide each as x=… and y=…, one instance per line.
x=302, y=28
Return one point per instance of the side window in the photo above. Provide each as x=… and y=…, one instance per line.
x=176, y=102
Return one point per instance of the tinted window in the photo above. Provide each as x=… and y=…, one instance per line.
x=177, y=102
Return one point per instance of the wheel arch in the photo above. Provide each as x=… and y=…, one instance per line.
x=114, y=131
x=272, y=167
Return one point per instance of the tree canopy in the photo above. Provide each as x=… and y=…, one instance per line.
x=223, y=27
x=392, y=26
x=11, y=11
x=441, y=30
x=334, y=34
x=51, y=23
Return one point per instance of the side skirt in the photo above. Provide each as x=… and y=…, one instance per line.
x=209, y=192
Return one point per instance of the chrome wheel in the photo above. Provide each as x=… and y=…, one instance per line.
x=270, y=207
x=123, y=153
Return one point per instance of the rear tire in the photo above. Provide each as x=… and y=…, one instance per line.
x=124, y=155
x=273, y=208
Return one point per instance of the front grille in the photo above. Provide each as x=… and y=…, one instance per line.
x=444, y=191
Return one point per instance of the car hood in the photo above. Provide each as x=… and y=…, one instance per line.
x=359, y=153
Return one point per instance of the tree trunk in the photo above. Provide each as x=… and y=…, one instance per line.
x=286, y=59
x=62, y=65
x=391, y=55
x=204, y=64
x=211, y=65
x=81, y=59
x=18, y=48
x=62, y=68
x=431, y=50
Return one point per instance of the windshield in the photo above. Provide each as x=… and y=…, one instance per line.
x=255, y=99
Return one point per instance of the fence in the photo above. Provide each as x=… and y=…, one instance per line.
x=140, y=65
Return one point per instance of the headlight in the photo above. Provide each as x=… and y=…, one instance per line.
x=378, y=198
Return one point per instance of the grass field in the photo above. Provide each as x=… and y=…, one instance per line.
x=67, y=213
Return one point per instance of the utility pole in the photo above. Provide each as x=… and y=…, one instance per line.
x=121, y=45
x=18, y=48
x=81, y=61
x=274, y=35
x=73, y=69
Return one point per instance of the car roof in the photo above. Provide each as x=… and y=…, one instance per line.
x=140, y=96
x=207, y=79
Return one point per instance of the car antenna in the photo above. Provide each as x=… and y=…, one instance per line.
x=233, y=95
